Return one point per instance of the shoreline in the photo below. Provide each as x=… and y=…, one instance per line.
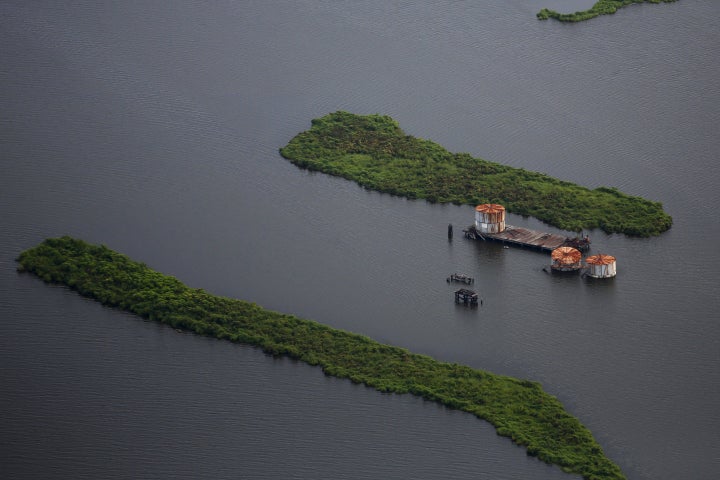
x=518, y=409
x=374, y=152
x=602, y=7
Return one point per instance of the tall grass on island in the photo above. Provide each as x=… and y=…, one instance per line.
x=519, y=409
x=373, y=151
x=602, y=7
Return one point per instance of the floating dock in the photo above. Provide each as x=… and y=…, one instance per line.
x=524, y=237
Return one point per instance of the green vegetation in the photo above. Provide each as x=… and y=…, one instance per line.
x=518, y=409
x=602, y=7
x=373, y=151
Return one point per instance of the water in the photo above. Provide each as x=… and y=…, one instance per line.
x=155, y=131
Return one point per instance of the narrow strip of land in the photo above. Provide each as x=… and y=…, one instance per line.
x=519, y=409
x=373, y=151
x=602, y=7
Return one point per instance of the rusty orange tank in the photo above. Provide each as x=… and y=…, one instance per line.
x=601, y=266
x=490, y=218
x=566, y=259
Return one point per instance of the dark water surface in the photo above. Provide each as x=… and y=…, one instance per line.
x=153, y=128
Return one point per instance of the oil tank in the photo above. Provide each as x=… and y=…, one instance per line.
x=490, y=218
x=566, y=259
x=601, y=266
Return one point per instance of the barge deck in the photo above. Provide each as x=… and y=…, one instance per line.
x=524, y=237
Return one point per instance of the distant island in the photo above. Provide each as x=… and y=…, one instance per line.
x=519, y=409
x=602, y=7
x=373, y=151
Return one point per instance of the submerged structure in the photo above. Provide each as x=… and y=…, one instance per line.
x=460, y=277
x=601, y=266
x=468, y=297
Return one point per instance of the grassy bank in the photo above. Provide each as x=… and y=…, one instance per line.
x=518, y=409
x=602, y=7
x=373, y=151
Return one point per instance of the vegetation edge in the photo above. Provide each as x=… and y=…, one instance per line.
x=602, y=7
x=519, y=409
x=373, y=151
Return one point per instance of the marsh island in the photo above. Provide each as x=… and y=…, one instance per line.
x=602, y=7
x=519, y=409
x=373, y=151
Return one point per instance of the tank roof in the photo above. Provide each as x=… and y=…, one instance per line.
x=490, y=208
x=566, y=255
x=600, y=259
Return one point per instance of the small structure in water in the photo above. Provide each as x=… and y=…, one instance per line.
x=601, y=266
x=468, y=297
x=566, y=259
x=460, y=277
